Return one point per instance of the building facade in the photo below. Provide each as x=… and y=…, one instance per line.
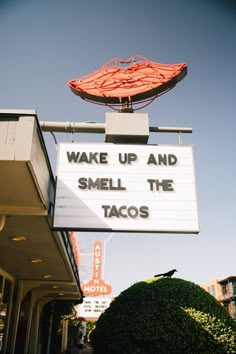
x=224, y=290
x=37, y=264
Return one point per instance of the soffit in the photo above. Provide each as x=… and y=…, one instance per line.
x=26, y=196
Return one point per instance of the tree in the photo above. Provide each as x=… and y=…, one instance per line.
x=162, y=316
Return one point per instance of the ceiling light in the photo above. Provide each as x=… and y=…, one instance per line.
x=35, y=260
x=60, y=294
x=47, y=276
x=18, y=238
x=2, y=221
x=55, y=286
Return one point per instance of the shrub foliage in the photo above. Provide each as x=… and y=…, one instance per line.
x=162, y=316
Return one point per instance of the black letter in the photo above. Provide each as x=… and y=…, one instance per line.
x=83, y=157
x=104, y=184
x=114, y=212
x=105, y=207
x=103, y=157
x=93, y=157
x=131, y=157
x=162, y=159
x=144, y=212
x=72, y=157
x=123, y=207
x=151, y=182
x=167, y=185
x=151, y=159
x=172, y=159
x=94, y=184
x=124, y=159
x=132, y=212
x=82, y=183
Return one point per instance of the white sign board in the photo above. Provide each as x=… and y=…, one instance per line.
x=132, y=188
x=93, y=307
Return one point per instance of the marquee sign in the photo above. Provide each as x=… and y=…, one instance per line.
x=132, y=188
x=93, y=307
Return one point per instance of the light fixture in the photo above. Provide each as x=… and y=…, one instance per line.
x=60, y=294
x=18, y=238
x=2, y=221
x=47, y=276
x=55, y=286
x=35, y=260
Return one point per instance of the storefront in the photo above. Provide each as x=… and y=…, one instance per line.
x=37, y=264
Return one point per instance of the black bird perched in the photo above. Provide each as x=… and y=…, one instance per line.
x=167, y=274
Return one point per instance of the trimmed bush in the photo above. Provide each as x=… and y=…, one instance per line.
x=164, y=316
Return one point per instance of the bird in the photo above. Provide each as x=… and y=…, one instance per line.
x=167, y=274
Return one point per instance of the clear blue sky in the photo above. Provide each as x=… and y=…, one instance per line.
x=45, y=43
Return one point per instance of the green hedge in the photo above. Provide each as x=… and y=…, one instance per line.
x=164, y=316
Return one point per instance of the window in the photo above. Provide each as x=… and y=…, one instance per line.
x=226, y=306
x=233, y=284
x=212, y=290
x=223, y=289
x=234, y=309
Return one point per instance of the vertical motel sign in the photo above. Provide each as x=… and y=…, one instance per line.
x=126, y=188
x=96, y=286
